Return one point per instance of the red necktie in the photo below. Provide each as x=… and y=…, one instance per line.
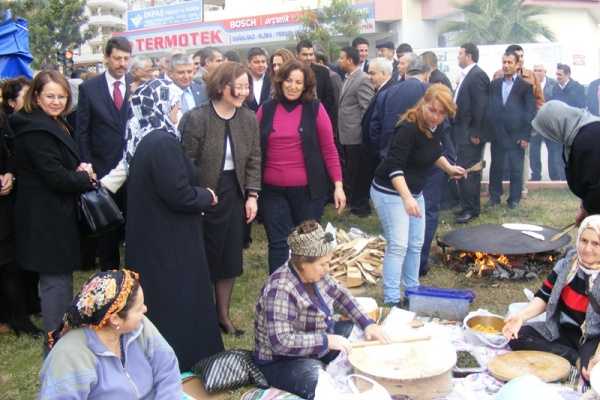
x=117, y=95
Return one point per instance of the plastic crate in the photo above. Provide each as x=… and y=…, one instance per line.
x=450, y=304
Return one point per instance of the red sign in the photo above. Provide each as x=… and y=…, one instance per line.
x=166, y=41
x=262, y=21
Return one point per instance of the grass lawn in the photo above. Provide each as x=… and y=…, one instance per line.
x=20, y=358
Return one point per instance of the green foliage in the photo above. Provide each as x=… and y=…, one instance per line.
x=54, y=25
x=499, y=21
x=329, y=24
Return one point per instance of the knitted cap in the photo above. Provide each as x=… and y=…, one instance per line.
x=316, y=243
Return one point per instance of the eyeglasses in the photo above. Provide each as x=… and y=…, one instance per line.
x=52, y=97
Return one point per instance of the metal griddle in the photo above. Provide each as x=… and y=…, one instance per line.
x=496, y=239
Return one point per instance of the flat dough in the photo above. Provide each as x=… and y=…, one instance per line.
x=534, y=235
x=523, y=227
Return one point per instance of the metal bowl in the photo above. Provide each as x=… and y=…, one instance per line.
x=488, y=321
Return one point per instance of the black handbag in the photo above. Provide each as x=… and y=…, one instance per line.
x=98, y=211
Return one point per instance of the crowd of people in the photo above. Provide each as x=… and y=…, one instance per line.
x=194, y=148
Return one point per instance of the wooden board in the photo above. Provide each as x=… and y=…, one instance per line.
x=546, y=366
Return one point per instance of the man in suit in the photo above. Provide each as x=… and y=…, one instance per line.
x=511, y=109
x=396, y=101
x=593, y=97
x=555, y=163
x=102, y=114
x=182, y=74
x=261, y=82
x=362, y=45
x=568, y=90
x=205, y=61
x=386, y=50
x=436, y=76
x=355, y=96
x=400, y=70
x=306, y=53
x=471, y=97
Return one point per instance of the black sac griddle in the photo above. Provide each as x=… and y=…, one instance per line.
x=495, y=239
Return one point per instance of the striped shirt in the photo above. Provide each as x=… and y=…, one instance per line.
x=290, y=322
x=573, y=299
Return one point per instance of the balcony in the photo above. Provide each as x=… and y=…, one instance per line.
x=107, y=20
x=116, y=5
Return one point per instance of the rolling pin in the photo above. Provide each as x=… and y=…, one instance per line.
x=410, y=339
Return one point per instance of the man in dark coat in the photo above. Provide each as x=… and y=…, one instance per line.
x=396, y=101
x=182, y=74
x=435, y=76
x=261, y=82
x=568, y=90
x=362, y=46
x=471, y=97
x=102, y=114
x=306, y=53
x=593, y=97
x=510, y=111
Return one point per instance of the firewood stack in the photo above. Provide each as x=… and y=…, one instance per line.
x=356, y=261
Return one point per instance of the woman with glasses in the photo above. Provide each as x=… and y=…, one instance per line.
x=221, y=137
x=51, y=177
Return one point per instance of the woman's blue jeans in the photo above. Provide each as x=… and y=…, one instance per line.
x=404, y=235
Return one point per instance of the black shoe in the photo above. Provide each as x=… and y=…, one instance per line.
x=513, y=205
x=465, y=217
x=232, y=330
x=493, y=203
x=458, y=212
x=361, y=212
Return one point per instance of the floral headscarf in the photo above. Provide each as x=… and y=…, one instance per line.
x=103, y=294
x=150, y=106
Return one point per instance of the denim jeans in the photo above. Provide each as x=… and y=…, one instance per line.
x=284, y=208
x=556, y=162
x=300, y=375
x=514, y=157
x=432, y=193
x=404, y=235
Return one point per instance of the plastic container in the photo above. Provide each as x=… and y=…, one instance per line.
x=450, y=304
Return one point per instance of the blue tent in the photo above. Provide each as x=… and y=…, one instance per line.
x=14, y=49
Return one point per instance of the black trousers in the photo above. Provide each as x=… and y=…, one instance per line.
x=568, y=344
x=108, y=245
x=469, y=189
x=513, y=159
x=358, y=174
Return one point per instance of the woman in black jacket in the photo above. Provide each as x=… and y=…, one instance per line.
x=18, y=288
x=51, y=176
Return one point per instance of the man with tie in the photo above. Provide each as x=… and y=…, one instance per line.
x=261, y=82
x=182, y=75
x=471, y=98
x=511, y=109
x=102, y=114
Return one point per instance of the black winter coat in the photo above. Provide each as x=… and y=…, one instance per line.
x=46, y=213
x=6, y=202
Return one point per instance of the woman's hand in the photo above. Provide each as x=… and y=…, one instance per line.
x=375, y=332
x=457, y=172
x=215, y=199
x=339, y=197
x=340, y=343
x=251, y=209
x=87, y=168
x=586, y=371
x=412, y=207
x=581, y=215
x=512, y=326
x=174, y=114
x=6, y=184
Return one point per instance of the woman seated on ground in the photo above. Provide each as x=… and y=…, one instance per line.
x=108, y=349
x=570, y=296
x=295, y=334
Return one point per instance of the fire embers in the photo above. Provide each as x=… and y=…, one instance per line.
x=516, y=267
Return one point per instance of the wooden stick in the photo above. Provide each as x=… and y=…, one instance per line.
x=563, y=232
x=369, y=343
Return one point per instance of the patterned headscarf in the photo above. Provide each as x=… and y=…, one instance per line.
x=592, y=222
x=150, y=105
x=103, y=294
x=316, y=243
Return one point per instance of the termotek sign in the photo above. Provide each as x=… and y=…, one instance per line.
x=237, y=31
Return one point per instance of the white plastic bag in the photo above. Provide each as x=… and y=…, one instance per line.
x=328, y=390
x=494, y=341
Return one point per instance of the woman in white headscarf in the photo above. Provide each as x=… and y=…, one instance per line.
x=570, y=297
x=579, y=131
x=164, y=227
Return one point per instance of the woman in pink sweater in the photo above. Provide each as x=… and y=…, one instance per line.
x=300, y=160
